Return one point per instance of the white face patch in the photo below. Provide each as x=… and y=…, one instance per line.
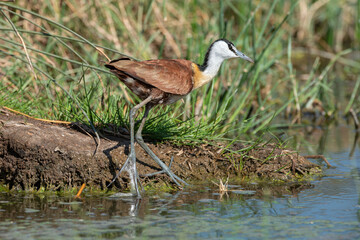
x=221, y=50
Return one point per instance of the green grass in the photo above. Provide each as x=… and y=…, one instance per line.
x=61, y=74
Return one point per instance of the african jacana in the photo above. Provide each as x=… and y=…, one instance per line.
x=165, y=82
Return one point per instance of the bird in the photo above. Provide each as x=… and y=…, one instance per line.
x=163, y=82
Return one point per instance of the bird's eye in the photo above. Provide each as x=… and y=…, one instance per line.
x=231, y=48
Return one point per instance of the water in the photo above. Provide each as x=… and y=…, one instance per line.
x=330, y=209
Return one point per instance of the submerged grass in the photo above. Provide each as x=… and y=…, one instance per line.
x=68, y=42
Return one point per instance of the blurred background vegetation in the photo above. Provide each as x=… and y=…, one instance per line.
x=306, y=70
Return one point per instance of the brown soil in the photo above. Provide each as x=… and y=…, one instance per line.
x=36, y=154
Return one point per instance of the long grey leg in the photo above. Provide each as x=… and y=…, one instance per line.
x=130, y=163
x=140, y=140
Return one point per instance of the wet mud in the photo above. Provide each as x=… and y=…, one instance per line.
x=36, y=154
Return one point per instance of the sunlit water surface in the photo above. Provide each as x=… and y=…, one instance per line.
x=330, y=209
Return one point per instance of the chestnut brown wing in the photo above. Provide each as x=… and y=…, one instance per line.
x=171, y=76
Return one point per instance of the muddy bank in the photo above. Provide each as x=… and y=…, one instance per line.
x=36, y=154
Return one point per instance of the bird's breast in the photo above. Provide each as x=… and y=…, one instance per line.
x=199, y=77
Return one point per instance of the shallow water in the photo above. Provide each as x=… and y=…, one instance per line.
x=329, y=209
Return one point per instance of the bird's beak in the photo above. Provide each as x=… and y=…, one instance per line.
x=243, y=56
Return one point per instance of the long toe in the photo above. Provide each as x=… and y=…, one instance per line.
x=130, y=167
x=124, y=167
x=134, y=177
x=175, y=178
x=165, y=168
x=173, y=175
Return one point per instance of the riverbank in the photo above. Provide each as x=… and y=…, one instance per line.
x=36, y=154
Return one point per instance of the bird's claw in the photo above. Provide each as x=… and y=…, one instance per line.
x=130, y=167
x=170, y=173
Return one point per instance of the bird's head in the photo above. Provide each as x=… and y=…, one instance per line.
x=225, y=49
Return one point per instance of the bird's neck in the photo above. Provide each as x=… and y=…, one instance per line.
x=208, y=69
